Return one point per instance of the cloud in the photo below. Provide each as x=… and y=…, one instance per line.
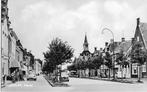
x=113, y=7
x=40, y=22
x=53, y=22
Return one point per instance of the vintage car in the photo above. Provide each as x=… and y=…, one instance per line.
x=31, y=76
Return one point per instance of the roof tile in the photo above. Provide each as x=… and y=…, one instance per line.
x=143, y=28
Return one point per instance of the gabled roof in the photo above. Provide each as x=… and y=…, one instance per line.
x=116, y=44
x=14, y=34
x=124, y=46
x=143, y=29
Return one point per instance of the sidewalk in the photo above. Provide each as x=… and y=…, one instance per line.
x=127, y=80
x=6, y=84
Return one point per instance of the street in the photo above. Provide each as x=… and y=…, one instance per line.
x=86, y=85
x=76, y=85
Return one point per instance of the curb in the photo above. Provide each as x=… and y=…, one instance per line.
x=49, y=81
x=54, y=84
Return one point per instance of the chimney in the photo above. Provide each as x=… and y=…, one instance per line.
x=112, y=40
x=101, y=49
x=106, y=43
x=138, y=21
x=95, y=48
x=123, y=39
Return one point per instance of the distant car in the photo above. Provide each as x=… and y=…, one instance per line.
x=64, y=76
x=65, y=79
x=32, y=77
x=73, y=74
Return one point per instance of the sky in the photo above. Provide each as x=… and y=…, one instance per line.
x=38, y=22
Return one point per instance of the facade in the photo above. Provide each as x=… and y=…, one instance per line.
x=4, y=40
x=85, y=55
x=28, y=61
x=37, y=67
x=111, y=50
x=13, y=59
x=123, y=71
x=141, y=36
x=19, y=59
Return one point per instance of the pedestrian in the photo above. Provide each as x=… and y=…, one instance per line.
x=13, y=77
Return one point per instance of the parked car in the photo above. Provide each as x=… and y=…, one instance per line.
x=64, y=76
x=32, y=76
x=73, y=74
x=65, y=79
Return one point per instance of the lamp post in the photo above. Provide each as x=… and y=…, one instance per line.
x=113, y=62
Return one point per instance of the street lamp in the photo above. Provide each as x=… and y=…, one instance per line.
x=113, y=62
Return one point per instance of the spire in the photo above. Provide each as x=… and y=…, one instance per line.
x=85, y=41
x=85, y=45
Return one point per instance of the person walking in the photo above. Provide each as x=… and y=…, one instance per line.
x=13, y=77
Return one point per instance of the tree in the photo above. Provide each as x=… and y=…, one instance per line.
x=97, y=62
x=108, y=61
x=138, y=55
x=58, y=53
x=48, y=67
x=72, y=66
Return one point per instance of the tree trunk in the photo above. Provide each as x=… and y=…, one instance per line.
x=95, y=72
x=100, y=72
x=89, y=72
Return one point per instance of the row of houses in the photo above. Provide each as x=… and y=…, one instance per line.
x=132, y=69
x=113, y=47
x=16, y=61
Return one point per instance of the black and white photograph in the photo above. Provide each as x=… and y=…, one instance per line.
x=73, y=46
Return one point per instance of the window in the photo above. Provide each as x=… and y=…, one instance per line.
x=144, y=68
x=135, y=71
x=137, y=38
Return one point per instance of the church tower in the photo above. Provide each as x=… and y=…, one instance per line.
x=85, y=45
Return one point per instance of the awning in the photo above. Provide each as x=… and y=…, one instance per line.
x=14, y=63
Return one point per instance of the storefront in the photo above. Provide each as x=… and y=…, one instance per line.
x=14, y=69
x=4, y=69
x=24, y=71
